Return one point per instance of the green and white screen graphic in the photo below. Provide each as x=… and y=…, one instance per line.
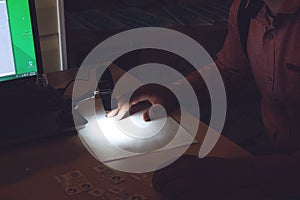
x=17, y=50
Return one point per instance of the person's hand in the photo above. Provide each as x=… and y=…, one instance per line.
x=153, y=93
x=193, y=178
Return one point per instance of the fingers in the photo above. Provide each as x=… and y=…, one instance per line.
x=112, y=113
x=146, y=116
x=156, y=95
x=123, y=110
x=156, y=111
x=120, y=111
x=124, y=105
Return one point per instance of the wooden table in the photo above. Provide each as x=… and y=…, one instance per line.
x=27, y=170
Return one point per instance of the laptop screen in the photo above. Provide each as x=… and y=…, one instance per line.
x=18, y=57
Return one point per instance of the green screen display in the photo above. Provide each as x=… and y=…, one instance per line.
x=20, y=48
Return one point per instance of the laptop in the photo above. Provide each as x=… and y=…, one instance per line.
x=30, y=109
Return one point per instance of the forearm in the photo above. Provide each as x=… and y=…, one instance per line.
x=267, y=176
x=273, y=176
x=278, y=175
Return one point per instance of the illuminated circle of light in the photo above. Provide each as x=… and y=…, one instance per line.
x=162, y=39
x=161, y=133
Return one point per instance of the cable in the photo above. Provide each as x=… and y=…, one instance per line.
x=62, y=91
x=68, y=84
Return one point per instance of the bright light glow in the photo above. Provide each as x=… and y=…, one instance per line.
x=104, y=139
x=133, y=134
x=134, y=126
x=112, y=132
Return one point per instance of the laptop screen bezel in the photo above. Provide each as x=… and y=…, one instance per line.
x=37, y=47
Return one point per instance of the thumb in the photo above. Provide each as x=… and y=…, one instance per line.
x=155, y=112
x=146, y=116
